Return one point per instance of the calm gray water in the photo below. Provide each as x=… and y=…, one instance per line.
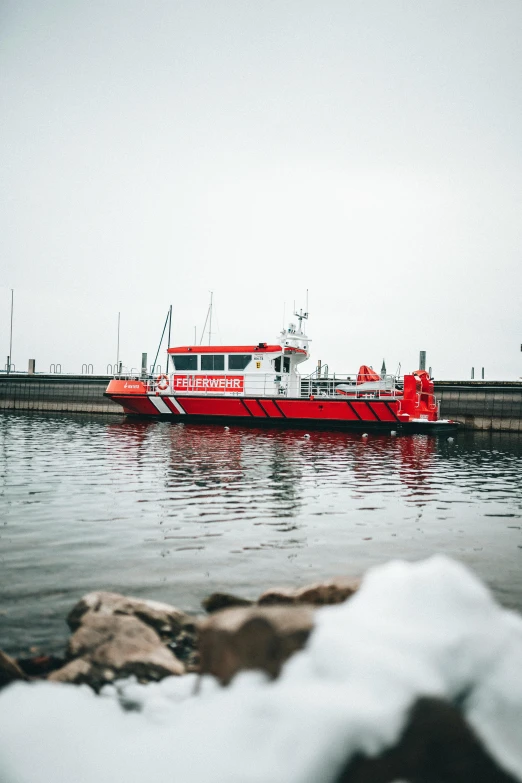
x=173, y=512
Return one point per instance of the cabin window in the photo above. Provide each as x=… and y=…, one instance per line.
x=212, y=362
x=186, y=362
x=286, y=364
x=238, y=361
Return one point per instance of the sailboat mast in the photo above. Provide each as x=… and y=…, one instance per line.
x=210, y=319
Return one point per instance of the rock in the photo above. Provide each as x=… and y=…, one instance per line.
x=218, y=601
x=106, y=647
x=252, y=638
x=165, y=619
x=436, y=745
x=334, y=591
x=9, y=670
x=78, y=671
x=277, y=595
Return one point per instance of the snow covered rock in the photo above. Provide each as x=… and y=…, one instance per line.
x=436, y=745
x=252, y=638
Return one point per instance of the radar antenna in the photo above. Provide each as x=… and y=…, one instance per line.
x=300, y=315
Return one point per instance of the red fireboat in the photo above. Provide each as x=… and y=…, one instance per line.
x=260, y=385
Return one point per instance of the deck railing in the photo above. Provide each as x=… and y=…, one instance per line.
x=333, y=386
x=267, y=385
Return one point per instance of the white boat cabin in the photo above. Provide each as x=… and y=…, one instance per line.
x=269, y=370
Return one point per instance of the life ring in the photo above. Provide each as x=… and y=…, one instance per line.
x=162, y=382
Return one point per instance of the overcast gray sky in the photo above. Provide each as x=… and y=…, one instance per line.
x=369, y=150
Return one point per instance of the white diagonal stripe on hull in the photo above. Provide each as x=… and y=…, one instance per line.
x=159, y=404
x=176, y=405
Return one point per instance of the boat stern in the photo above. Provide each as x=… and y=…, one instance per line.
x=419, y=407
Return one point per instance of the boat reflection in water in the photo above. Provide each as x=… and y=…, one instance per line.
x=222, y=473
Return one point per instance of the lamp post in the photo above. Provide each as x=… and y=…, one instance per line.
x=9, y=358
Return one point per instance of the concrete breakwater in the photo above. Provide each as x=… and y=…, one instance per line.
x=482, y=405
x=56, y=393
x=479, y=405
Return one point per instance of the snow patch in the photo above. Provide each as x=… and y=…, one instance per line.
x=422, y=629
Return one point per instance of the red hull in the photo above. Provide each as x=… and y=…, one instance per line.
x=328, y=414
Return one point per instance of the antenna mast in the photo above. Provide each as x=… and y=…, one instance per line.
x=300, y=315
x=168, y=346
x=118, y=348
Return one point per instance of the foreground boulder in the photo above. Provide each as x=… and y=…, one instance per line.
x=108, y=647
x=166, y=620
x=9, y=670
x=252, y=638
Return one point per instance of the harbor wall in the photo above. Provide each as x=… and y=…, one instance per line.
x=57, y=393
x=480, y=405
